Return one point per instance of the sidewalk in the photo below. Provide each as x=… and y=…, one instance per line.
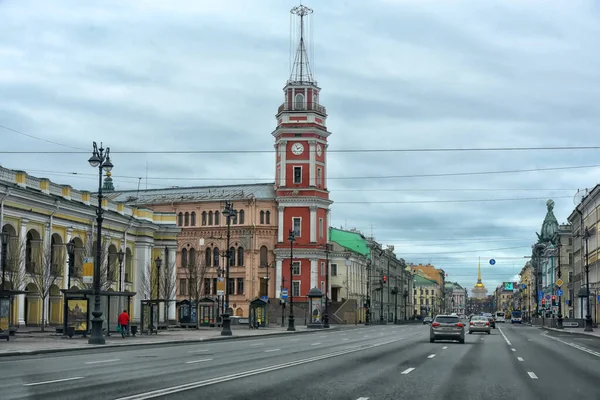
x=577, y=331
x=50, y=342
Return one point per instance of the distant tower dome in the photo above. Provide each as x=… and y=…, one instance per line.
x=108, y=183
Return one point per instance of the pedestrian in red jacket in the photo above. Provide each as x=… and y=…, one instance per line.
x=123, y=322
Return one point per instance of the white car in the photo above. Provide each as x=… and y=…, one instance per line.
x=500, y=317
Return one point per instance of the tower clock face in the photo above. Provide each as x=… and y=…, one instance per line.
x=319, y=150
x=297, y=148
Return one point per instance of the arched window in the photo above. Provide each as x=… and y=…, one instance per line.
x=207, y=257
x=241, y=217
x=216, y=256
x=180, y=219
x=192, y=257
x=203, y=218
x=187, y=219
x=264, y=256
x=262, y=217
x=234, y=217
x=217, y=218
x=193, y=219
x=210, y=217
x=268, y=217
x=232, y=256
x=299, y=102
x=184, y=257
x=128, y=266
x=240, y=255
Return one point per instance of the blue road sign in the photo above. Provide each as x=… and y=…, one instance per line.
x=523, y=286
x=548, y=297
x=284, y=293
x=599, y=297
x=492, y=261
x=265, y=298
x=540, y=294
x=559, y=292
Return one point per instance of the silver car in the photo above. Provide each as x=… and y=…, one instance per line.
x=447, y=327
x=479, y=323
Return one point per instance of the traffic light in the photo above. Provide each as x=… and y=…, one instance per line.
x=553, y=300
x=543, y=302
x=384, y=279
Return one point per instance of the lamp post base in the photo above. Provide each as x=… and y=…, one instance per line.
x=559, y=322
x=325, y=321
x=291, y=324
x=96, y=337
x=588, y=324
x=226, y=331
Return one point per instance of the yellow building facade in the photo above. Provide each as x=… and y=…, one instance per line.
x=40, y=217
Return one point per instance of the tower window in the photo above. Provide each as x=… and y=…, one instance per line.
x=297, y=174
x=319, y=176
x=296, y=226
x=299, y=102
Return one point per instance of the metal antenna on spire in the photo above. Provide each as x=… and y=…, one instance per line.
x=301, y=73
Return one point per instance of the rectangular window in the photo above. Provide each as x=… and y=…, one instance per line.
x=333, y=269
x=231, y=286
x=319, y=177
x=296, y=268
x=296, y=288
x=240, y=285
x=296, y=226
x=207, y=290
x=278, y=175
x=182, y=287
x=192, y=286
x=323, y=272
x=321, y=228
x=297, y=174
x=323, y=286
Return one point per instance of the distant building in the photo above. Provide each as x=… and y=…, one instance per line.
x=479, y=291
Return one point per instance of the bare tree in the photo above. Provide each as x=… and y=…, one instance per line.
x=15, y=257
x=45, y=273
x=195, y=272
x=168, y=284
x=89, y=250
x=147, y=282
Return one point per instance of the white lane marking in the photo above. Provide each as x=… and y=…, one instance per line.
x=589, y=351
x=294, y=340
x=345, y=339
x=342, y=334
x=322, y=336
x=102, y=361
x=363, y=398
x=226, y=378
x=530, y=340
x=532, y=375
x=520, y=359
x=366, y=335
x=268, y=351
x=431, y=356
x=54, y=381
x=199, y=361
x=407, y=371
x=514, y=349
x=257, y=344
x=315, y=344
x=444, y=348
x=197, y=351
x=505, y=338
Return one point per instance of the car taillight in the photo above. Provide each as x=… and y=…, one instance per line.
x=487, y=323
x=470, y=323
x=435, y=324
x=459, y=325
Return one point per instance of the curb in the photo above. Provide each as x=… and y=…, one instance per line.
x=569, y=332
x=165, y=343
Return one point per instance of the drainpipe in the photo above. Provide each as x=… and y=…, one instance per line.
x=2, y=216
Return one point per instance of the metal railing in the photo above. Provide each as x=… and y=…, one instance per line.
x=302, y=106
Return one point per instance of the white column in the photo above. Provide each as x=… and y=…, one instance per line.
x=280, y=225
x=313, y=224
x=314, y=274
x=22, y=239
x=325, y=166
x=65, y=282
x=327, y=226
x=143, y=256
x=173, y=266
x=312, y=145
x=282, y=162
x=278, y=272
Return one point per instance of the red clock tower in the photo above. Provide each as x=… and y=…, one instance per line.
x=301, y=177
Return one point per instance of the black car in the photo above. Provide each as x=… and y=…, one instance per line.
x=492, y=322
x=427, y=320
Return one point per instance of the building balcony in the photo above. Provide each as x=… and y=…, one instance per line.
x=302, y=106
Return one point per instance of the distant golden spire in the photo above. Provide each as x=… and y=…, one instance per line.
x=479, y=283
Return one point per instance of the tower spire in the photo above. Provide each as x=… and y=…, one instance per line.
x=479, y=271
x=301, y=72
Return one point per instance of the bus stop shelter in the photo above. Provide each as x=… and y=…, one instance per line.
x=150, y=317
x=7, y=298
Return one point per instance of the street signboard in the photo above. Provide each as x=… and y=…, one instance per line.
x=284, y=293
x=265, y=298
x=523, y=286
x=540, y=294
x=559, y=292
x=559, y=282
x=492, y=261
x=599, y=297
x=548, y=297
x=221, y=286
x=88, y=270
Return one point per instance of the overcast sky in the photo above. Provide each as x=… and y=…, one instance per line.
x=207, y=75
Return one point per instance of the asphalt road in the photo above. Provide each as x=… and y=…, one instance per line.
x=377, y=362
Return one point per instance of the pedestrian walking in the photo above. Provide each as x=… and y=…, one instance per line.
x=124, y=322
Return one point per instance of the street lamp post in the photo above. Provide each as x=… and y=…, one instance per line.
x=158, y=263
x=70, y=252
x=229, y=213
x=100, y=159
x=588, y=317
x=326, y=315
x=121, y=257
x=559, y=321
x=291, y=238
x=4, y=236
x=395, y=293
x=381, y=305
x=368, y=316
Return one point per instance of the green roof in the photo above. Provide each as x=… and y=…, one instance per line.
x=421, y=281
x=352, y=241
